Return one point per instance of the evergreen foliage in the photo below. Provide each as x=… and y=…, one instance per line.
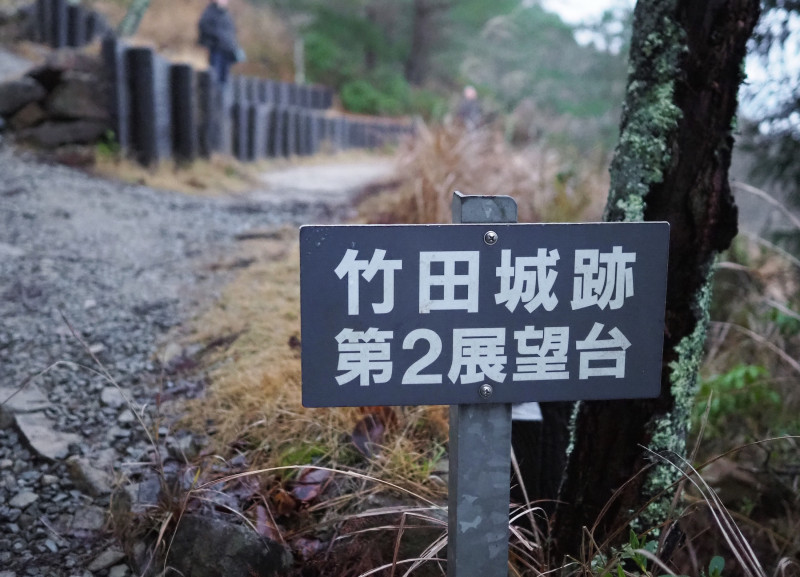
x=414, y=56
x=775, y=138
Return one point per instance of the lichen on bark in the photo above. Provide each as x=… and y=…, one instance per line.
x=668, y=441
x=650, y=115
x=671, y=164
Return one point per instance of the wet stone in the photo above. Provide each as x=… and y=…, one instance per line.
x=106, y=559
x=89, y=518
x=23, y=500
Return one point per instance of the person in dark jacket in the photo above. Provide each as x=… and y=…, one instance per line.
x=218, y=34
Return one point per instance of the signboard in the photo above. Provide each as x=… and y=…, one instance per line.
x=496, y=313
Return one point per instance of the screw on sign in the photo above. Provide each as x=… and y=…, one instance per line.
x=477, y=318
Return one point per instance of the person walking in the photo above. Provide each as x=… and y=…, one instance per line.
x=469, y=109
x=218, y=34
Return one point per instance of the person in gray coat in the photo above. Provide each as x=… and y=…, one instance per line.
x=218, y=34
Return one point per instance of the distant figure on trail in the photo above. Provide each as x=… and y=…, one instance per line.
x=218, y=34
x=469, y=109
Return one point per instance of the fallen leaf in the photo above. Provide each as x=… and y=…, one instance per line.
x=368, y=433
x=310, y=484
x=264, y=525
x=284, y=503
x=307, y=548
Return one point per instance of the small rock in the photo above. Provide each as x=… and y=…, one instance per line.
x=126, y=417
x=119, y=571
x=11, y=251
x=7, y=574
x=17, y=93
x=92, y=481
x=51, y=545
x=41, y=435
x=106, y=559
x=48, y=480
x=22, y=500
x=112, y=397
x=183, y=447
x=29, y=115
x=97, y=348
x=89, y=518
x=89, y=304
x=106, y=459
x=14, y=400
x=6, y=464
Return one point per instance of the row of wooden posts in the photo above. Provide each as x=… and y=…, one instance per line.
x=162, y=110
x=60, y=24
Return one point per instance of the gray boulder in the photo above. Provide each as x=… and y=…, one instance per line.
x=208, y=547
x=78, y=98
x=52, y=134
x=29, y=115
x=17, y=93
x=41, y=435
x=62, y=63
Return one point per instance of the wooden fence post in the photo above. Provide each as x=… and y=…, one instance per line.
x=184, y=112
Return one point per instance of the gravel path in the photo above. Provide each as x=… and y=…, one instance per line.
x=117, y=265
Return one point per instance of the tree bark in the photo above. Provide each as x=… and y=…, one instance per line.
x=671, y=164
x=423, y=37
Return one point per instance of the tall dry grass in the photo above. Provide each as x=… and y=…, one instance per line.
x=549, y=185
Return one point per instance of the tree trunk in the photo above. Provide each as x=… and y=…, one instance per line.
x=133, y=17
x=671, y=164
x=423, y=37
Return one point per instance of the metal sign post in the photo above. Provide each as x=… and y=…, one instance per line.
x=480, y=447
x=478, y=315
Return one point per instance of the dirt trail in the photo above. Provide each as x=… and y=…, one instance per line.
x=334, y=183
x=95, y=268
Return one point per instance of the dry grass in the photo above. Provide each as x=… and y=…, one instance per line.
x=548, y=185
x=219, y=175
x=253, y=402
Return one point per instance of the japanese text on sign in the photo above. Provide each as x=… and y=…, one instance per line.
x=413, y=314
x=450, y=280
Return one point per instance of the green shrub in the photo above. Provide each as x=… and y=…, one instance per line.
x=742, y=393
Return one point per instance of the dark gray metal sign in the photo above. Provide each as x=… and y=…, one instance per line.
x=500, y=313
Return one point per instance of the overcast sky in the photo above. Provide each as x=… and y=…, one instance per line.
x=576, y=11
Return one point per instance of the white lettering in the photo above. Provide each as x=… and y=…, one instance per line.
x=457, y=290
x=542, y=362
x=412, y=376
x=603, y=358
x=362, y=353
x=533, y=280
x=478, y=353
x=602, y=279
x=352, y=267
